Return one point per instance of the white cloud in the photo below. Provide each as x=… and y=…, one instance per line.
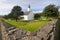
x=2, y=0
x=6, y=6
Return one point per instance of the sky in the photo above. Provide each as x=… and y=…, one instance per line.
x=36, y=5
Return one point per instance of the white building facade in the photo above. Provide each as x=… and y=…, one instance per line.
x=28, y=15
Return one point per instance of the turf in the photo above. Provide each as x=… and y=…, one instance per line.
x=27, y=25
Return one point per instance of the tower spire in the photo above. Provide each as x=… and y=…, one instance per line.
x=29, y=8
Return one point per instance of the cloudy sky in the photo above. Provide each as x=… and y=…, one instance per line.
x=36, y=5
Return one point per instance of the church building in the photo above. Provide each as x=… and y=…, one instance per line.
x=28, y=15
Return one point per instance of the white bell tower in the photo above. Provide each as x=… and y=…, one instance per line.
x=29, y=9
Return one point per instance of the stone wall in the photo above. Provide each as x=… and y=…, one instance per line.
x=46, y=32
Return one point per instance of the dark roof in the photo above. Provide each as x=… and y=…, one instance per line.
x=26, y=13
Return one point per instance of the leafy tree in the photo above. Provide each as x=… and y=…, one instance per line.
x=5, y=16
x=36, y=16
x=16, y=12
x=50, y=11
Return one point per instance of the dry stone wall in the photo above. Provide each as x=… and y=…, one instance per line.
x=46, y=32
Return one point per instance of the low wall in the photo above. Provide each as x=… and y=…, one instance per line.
x=46, y=32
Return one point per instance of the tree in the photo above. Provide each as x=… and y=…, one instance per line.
x=5, y=16
x=51, y=11
x=16, y=12
x=36, y=16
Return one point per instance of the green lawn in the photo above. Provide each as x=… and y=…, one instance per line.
x=29, y=26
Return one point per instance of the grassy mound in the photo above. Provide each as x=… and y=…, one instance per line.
x=27, y=25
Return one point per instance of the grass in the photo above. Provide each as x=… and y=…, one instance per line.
x=29, y=26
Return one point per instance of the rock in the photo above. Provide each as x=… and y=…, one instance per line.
x=46, y=32
x=31, y=38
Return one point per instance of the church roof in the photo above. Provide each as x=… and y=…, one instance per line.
x=26, y=13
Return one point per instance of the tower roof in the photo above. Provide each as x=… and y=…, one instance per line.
x=29, y=6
